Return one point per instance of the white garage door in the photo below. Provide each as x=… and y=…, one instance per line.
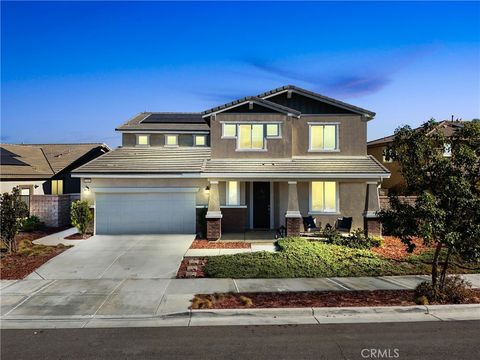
x=145, y=213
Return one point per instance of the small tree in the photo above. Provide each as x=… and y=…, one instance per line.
x=81, y=216
x=446, y=213
x=12, y=211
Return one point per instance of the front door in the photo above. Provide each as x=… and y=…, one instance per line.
x=261, y=205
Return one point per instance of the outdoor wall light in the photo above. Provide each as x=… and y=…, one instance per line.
x=207, y=189
x=86, y=189
x=35, y=186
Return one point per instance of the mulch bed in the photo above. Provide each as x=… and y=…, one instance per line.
x=395, y=249
x=17, y=266
x=78, y=236
x=205, y=244
x=308, y=299
x=191, y=267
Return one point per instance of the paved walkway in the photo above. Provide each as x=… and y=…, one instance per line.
x=22, y=300
x=58, y=238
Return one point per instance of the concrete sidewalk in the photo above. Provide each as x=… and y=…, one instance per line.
x=79, y=300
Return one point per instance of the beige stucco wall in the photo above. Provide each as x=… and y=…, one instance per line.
x=157, y=139
x=7, y=186
x=226, y=148
x=352, y=135
x=396, y=177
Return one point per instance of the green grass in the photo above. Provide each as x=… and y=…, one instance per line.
x=301, y=258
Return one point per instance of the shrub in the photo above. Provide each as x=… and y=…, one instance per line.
x=455, y=291
x=246, y=301
x=81, y=216
x=356, y=240
x=32, y=223
x=12, y=210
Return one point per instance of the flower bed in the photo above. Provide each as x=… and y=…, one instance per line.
x=78, y=236
x=205, y=244
x=308, y=299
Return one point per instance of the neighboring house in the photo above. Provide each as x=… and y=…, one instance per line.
x=256, y=163
x=377, y=148
x=44, y=169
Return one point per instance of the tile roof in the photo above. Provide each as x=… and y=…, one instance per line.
x=448, y=128
x=165, y=122
x=149, y=160
x=344, y=165
x=40, y=161
x=161, y=160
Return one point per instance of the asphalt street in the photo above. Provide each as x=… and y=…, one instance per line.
x=419, y=340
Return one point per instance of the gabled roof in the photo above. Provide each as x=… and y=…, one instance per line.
x=254, y=100
x=165, y=121
x=41, y=161
x=448, y=128
x=318, y=97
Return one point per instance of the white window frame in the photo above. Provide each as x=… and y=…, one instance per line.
x=279, y=127
x=227, y=195
x=384, y=158
x=227, y=136
x=176, y=140
x=264, y=148
x=337, y=137
x=198, y=136
x=57, y=182
x=138, y=135
x=337, y=199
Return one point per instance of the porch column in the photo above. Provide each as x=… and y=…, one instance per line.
x=214, y=215
x=372, y=225
x=293, y=217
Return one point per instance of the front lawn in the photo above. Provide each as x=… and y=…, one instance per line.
x=299, y=257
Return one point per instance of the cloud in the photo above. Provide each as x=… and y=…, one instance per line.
x=5, y=138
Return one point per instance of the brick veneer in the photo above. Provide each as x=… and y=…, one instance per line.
x=234, y=220
x=53, y=210
x=373, y=227
x=385, y=201
x=293, y=226
x=214, y=229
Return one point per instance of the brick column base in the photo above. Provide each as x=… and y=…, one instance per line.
x=293, y=226
x=373, y=227
x=214, y=229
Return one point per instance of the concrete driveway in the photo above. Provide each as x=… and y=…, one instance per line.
x=118, y=257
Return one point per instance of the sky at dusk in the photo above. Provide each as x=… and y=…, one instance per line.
x=73, y=71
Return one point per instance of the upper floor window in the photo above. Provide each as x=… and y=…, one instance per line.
x=200, y=140
x=447, y=150
x=323, y=137
x=323, y=197
x=233, y=193
x=229, y=130
x=57, y=187
x=273, y=130
x=143, y=140
x=386, y=157
x=171, y=140
x=250, y=137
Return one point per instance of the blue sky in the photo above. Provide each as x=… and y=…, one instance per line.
x=73, y=71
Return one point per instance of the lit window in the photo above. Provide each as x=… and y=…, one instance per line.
x=386, y=159
x=250, y=136
x=323, y=137
x=273, y=130
x=143, y=140
x=447, y=150
x=229, y=130
x=200, y=140
x=57, y=187
x=171, y=140
x=323, y=196
x=233, y=193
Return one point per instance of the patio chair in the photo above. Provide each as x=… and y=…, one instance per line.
x=281, y=232
x=344, y=224
x=310, y=224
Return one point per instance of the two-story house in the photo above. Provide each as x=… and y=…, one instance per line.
x=256, y=163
